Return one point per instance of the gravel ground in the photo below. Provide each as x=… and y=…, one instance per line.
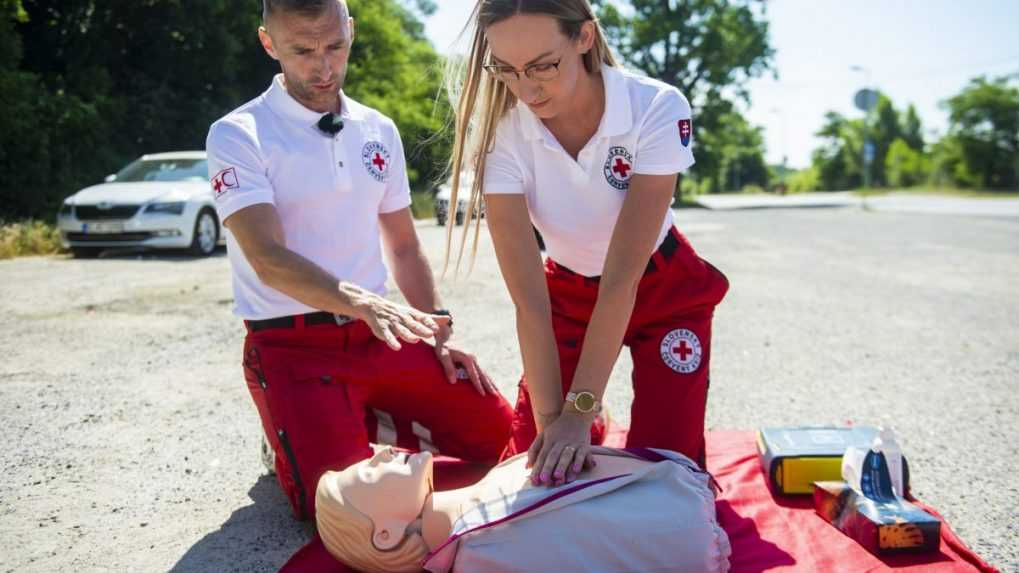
x=133, y=445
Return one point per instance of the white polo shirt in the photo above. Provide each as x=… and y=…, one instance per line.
x=646, y=129
x=328, y=190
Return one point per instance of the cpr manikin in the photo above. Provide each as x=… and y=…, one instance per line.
x=634, y=511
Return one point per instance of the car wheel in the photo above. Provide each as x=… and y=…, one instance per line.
x=206, y=235
x=85, y=252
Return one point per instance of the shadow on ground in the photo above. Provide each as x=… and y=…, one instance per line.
x=257, y=537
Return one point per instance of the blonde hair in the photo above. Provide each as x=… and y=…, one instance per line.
x=467, y=85
x=347, y=534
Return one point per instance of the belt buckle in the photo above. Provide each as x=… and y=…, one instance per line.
x=342, y=319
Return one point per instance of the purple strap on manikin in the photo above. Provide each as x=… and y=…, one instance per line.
x=557, y=495
x=653, y=456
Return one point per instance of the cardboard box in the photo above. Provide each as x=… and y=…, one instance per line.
x=883, y=528
x=794, y=458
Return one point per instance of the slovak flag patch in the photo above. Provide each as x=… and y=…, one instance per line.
x=685, y=132
x=224, y=181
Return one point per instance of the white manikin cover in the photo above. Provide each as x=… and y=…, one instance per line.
x=660, y=518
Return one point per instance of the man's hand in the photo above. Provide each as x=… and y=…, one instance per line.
x=392, y=322
x=451, y=356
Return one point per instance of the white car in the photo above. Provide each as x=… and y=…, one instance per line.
x=445, y=193
x=163, y=200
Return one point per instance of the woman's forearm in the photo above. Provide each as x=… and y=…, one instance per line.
x=541, y=364
x=604, y=338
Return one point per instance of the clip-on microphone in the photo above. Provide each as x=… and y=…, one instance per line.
x=330, y=124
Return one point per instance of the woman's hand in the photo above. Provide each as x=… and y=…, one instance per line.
x=561, y=450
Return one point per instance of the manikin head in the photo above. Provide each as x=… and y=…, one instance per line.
x=368, y=513
x=311, y=40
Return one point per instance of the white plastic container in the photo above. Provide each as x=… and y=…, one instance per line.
x=887, y=443
x=861, y=470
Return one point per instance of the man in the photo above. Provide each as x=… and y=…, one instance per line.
x=308, y=181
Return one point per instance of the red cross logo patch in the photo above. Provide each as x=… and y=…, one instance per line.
x=224, y=181
x=376, y=160
x=619, y=168
x=681, y=351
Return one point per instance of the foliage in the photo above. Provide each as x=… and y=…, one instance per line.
x=803, y=181
x=422, y=205
x=707, y=49
x=981, y=149
x=906, y=166
x=28, y=238
x=87, y=86
x=985, y=134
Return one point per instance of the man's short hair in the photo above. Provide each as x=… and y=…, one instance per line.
x=304, y=7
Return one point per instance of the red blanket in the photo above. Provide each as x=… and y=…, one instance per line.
x=767, y=532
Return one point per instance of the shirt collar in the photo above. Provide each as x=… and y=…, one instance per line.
x=284, y=103
x=616, y=120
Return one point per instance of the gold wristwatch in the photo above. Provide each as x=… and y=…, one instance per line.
x=583, y=402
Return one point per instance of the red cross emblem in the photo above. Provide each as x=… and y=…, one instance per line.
x=681, y=351
x=376, y=160
x=224, y=181
x=621, y=168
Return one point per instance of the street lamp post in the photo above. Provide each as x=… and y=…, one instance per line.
x=866, y=100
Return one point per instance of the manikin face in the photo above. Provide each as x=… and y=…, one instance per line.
x=390, y=488
x=313, y=53
x=525, y=40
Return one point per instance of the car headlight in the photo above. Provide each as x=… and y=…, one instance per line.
x=65, y=210
x=166, y=208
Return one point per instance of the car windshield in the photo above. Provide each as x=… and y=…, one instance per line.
x=164, y=170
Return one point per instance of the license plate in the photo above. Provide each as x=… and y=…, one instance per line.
x=102, y=228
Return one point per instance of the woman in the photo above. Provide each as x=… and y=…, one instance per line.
x=644, y=510
x=561, y=138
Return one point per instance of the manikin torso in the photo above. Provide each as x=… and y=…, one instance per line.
x=442, y=509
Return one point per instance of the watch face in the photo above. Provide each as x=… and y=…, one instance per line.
x=584, y=402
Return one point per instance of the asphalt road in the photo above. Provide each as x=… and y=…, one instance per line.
x=131, y=442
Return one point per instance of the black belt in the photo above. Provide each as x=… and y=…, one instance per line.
x=310, y=319
x=666, y=250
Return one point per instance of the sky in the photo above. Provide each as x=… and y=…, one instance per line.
x=915, y=51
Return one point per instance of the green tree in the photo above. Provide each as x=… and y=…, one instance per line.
x=838, y=162
x=912, y=129
x=905, y=166
x=883, y=129
x=984, y=129
x=408, y=88
x=707, y=49
x=86, y=86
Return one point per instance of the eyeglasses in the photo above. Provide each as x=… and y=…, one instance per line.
x=540, y=72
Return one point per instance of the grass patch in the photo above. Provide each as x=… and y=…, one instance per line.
x=28, y=238
x=422, y=205
x=943, y=191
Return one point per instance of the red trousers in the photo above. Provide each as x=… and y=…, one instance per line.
x=324, y=392
x=669, y=337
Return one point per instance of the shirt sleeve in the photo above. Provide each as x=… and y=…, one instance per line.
x=397, y=194
x=236, y=170
x=665, y=145
x=503, y=175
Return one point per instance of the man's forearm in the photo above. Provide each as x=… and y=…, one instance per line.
x=308, y=283
x=413, y=276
